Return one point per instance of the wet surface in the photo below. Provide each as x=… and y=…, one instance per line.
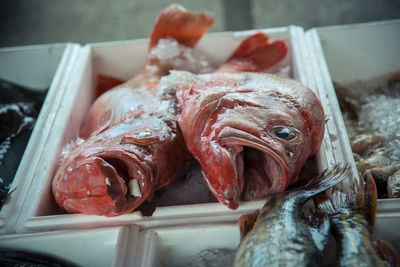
x=19, y=108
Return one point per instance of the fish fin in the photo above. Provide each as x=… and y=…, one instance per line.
x=185, y=26
x=246, y=223
x=255, y=53
x=250, y=45
x=386, y=253
x=361, y=198
x=324, y=181
x=105, y=83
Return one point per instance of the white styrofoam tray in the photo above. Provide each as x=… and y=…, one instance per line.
x=94, y=247
x=123, y=60
x=177, y=245
x=350, y=53
x=41, y=67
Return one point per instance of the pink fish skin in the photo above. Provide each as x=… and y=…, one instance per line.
x=132, y=142
x=251, y=132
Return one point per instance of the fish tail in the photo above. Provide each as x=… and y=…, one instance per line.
x=326, y=180
x=360, y=198
x=185, y=26
x=255, y=53
x=386, y=253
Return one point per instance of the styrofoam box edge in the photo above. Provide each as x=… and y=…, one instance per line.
x=95, y=247
x=27, y=167
x=176, y=245
x=27, y=222
x=341, y=148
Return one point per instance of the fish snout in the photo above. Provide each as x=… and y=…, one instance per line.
x=104, y=184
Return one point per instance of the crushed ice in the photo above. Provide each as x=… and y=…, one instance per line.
x=379, y=112
x=70, y=146
x=181, y=57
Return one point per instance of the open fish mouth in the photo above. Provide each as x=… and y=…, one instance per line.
x=108, y=183
x=260, y=169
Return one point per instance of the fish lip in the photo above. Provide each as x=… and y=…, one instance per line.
x=117, y=188
x=243, y=138
x=132, y=162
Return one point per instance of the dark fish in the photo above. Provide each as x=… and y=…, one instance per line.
x=281, y=236
x=213, y=258
x=364, y=144
x=14, y=257
x=386, y=253
x=19, y=108
x=352, y=215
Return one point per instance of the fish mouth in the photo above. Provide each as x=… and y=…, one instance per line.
x=108, y=183
x=260, y=169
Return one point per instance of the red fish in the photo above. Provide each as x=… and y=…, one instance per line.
x=132, y=143
x=251, y=132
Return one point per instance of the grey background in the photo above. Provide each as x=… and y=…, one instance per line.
x=26, y=22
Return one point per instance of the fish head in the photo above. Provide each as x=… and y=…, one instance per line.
x=272, y=145
x=251, y=133
x=111, y=173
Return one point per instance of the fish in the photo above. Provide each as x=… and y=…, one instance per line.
x=352, y=216
x=393, y=184
x=19, y=109
x=280, y=234
x=386, y=253
x=250, y=131
x=19, y=257
x=365, y=143
x=213, y=258
x=130, y=143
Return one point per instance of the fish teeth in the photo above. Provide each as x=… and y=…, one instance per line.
x=134, y=188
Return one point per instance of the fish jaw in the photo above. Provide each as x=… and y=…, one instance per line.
x=231, y=177
x=257, y=182
x=97, y=184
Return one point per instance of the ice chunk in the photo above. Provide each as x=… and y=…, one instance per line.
x=181, y=57
x=379, y=112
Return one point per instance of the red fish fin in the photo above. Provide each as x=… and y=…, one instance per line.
x=249, y=45
x=105, y=83
x=361, y=198
x=386, y=253
x=246, y=223
x=255, y=54
x=176, y=22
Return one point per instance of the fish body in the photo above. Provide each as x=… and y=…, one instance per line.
x=280, y=235
x=251, y=132
x=131, y=144
x=19, y=108
x=352, y=215
x=14, y=257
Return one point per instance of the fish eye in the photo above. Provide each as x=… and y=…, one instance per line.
x=283, y=132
